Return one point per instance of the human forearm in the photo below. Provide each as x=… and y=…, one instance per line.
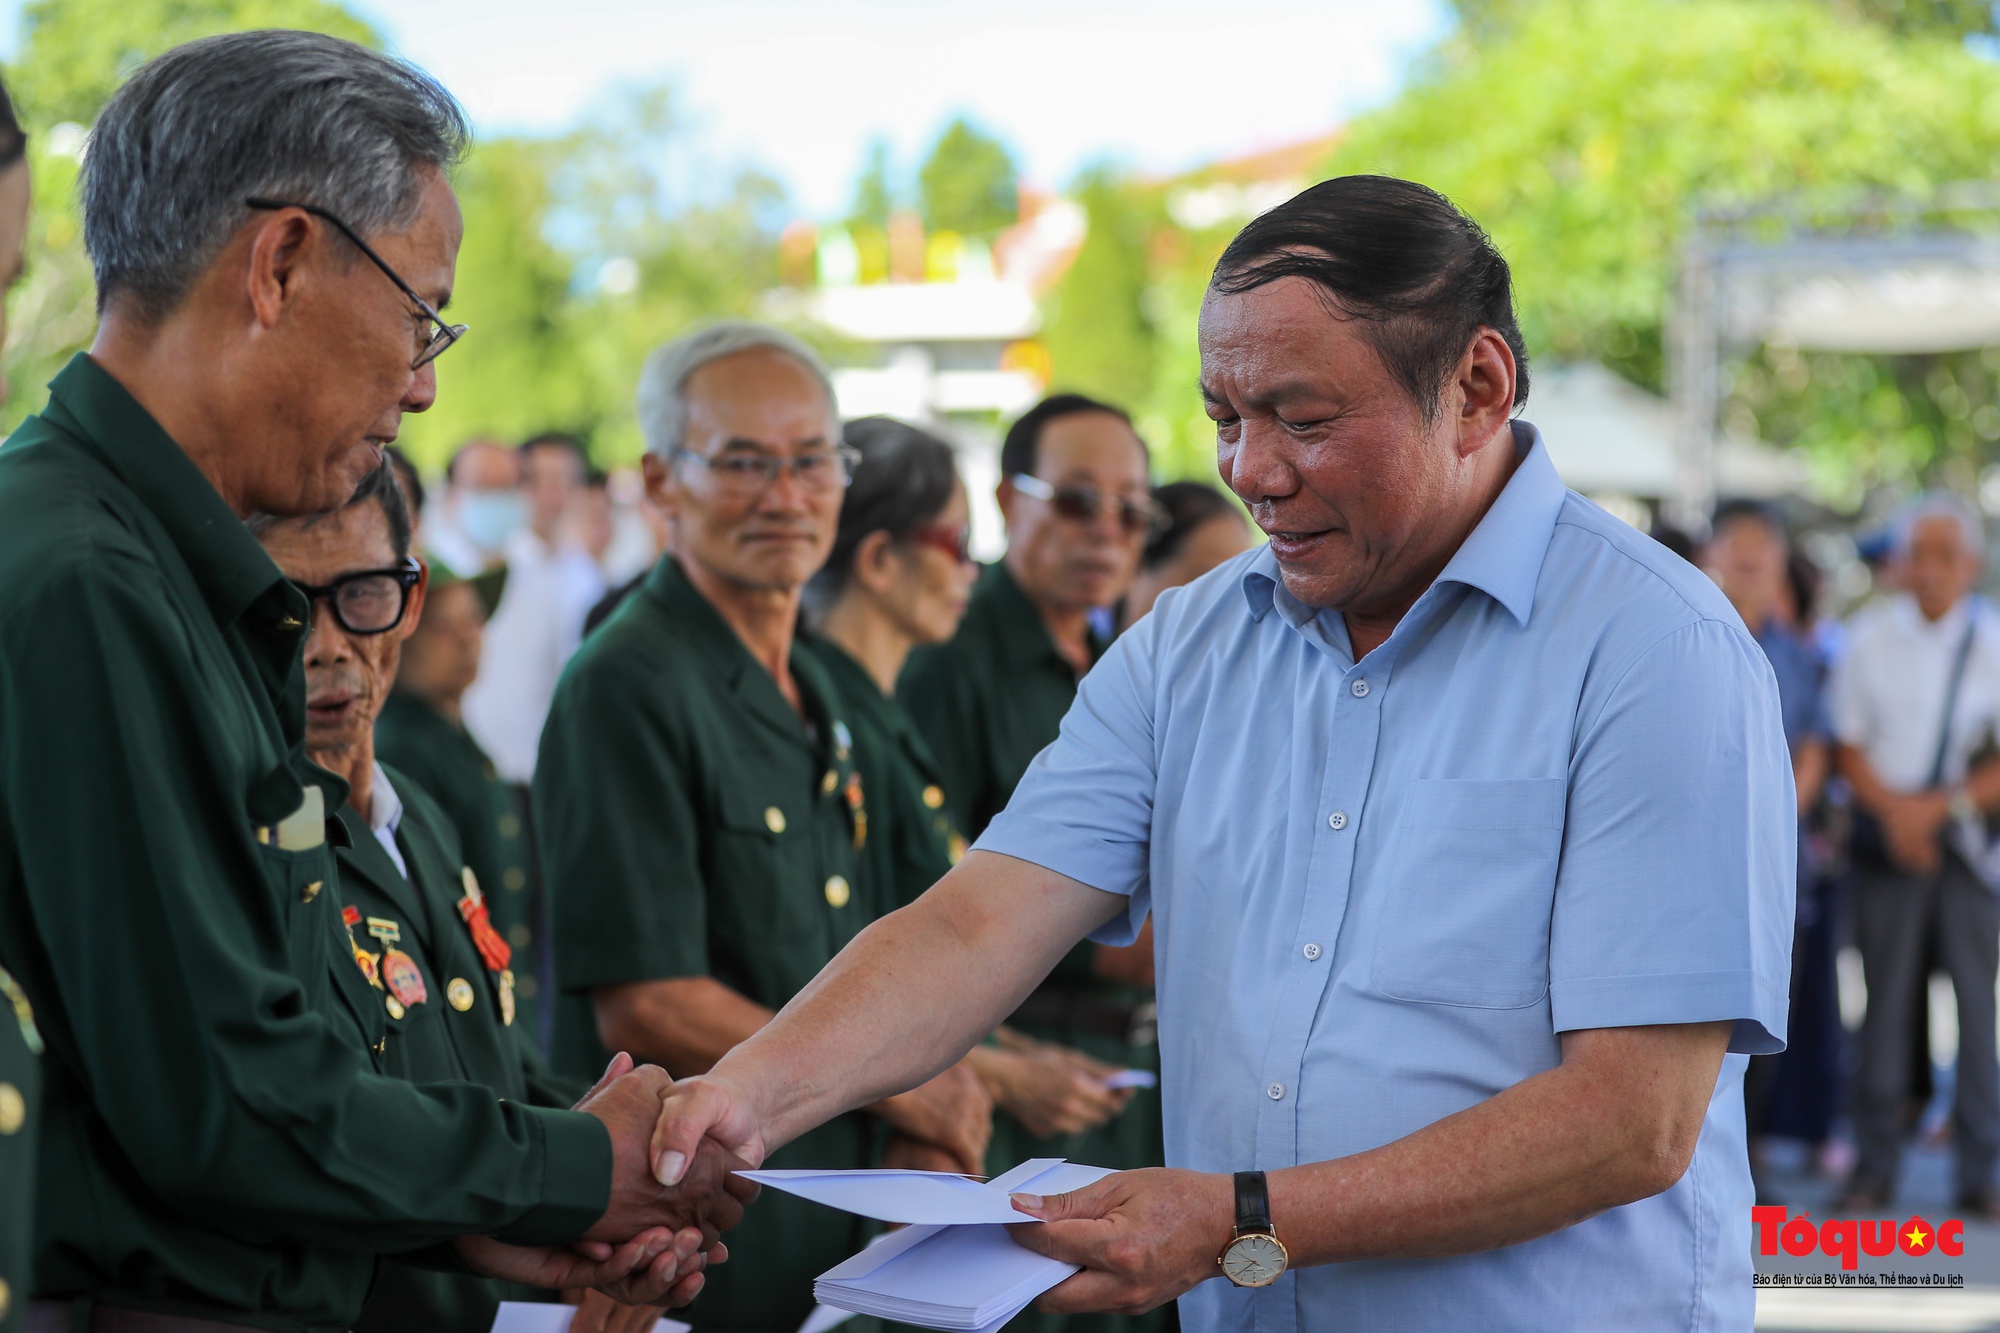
x=1551, y=1151
x=909, y=996
x=684, y=1024
x=1615, y=1122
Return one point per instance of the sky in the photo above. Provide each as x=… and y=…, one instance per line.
x=799, y=89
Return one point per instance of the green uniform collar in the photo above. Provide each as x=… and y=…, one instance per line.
x=228, y=565
x=710, y=636
x=1023, y=638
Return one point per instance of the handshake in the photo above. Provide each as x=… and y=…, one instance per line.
x=673, y=1194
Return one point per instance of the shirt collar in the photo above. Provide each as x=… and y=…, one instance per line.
x=228, y=565
x=1503, y=555
x=1025, y=638
x=385, y=807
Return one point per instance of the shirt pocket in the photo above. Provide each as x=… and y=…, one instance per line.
x=763, y=860
x=1471, y=884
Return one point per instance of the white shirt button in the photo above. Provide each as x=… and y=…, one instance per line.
x=1337, y=820
x=1276, y=1092
x=1312, y=953
x=1359, y=689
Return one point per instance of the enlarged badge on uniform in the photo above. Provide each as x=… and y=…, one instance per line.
x=400, y=972
x=495, y=952
x=858, y=805
x=351, y=916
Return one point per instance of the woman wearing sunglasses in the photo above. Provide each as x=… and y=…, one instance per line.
x=900, y=576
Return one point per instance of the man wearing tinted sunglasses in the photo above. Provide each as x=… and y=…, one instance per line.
x=1075, y=495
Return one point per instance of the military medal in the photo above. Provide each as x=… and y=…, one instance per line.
x=855, y=803
x=495, y=952
x=399, y=971
x=362, y=958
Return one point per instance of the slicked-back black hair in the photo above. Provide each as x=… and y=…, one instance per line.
x=1420, y=275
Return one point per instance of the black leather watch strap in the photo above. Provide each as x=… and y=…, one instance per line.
x=1253, y=1202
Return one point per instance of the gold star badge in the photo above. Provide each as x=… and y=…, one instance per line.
x=1916, y=1237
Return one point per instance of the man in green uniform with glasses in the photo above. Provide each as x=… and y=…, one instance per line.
x=219, y=1145
x=421, y=732
x=701, y=816
x=1076, y=497
x=416, y=918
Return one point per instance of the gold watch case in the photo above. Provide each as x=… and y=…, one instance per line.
x=1254, y=1259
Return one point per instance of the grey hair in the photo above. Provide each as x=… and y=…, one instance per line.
x=1941, y=504
x=296, y=116
x=662, y=398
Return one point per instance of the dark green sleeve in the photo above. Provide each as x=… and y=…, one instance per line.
x=942, y=699
x=158, y=925
x=619, y=836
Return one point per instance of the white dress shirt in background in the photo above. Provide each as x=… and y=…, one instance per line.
x=536, y=627
x=1888, y=691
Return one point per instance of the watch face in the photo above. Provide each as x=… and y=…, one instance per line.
x=1254, y=1260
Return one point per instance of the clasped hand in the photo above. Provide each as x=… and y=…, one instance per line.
x=653, y=1241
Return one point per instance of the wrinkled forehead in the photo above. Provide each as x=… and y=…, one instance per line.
x=760, y=395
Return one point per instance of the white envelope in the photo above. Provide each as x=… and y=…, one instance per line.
x=549, y=1317
x=923, y=1198
x=958, y=1277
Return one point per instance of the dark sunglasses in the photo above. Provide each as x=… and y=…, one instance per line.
x=1082, y=504
x=369, y=601
x=954, y=541
x=442, y=334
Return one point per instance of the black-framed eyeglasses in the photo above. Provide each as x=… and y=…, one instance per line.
x=1137, y=514
x=442, y=335
x=368, y=601
x=744, y=474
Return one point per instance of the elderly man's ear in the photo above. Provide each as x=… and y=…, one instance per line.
x=1484, y=387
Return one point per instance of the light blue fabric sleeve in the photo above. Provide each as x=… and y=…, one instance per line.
x=1674, y=898
x=1085, y=806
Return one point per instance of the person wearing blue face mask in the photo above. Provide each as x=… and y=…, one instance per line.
x=481, y=508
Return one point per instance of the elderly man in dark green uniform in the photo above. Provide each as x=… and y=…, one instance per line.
x=1075, y=494
x=701, y=817
x=421, y=732
x=416, y=918
x=219, y=1143
x=20, y=1043
x=20, y=1101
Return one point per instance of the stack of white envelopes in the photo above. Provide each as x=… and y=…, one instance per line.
x=955, y=1267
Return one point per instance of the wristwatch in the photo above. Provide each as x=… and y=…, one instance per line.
x=1256, y=1257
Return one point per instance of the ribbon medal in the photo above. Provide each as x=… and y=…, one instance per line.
x=860, y=809
x=399, y=971
x=493, y=951
x=364, y=960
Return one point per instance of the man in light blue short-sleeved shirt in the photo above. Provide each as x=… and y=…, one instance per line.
x=1464, y=815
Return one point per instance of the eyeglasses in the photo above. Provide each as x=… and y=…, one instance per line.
x=442, y=335
x=1137, y=514
x=742, y=475
x=954, y=541
x=370, y=601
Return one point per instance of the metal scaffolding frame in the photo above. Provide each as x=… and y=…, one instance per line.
x=1759, y=274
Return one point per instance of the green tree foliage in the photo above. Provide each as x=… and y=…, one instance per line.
x=1095, y=324
x=74, y=53
x=1586, y=135
x=874, y=197
x=581, y=252
x=967, y=184
x=1485, y=19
